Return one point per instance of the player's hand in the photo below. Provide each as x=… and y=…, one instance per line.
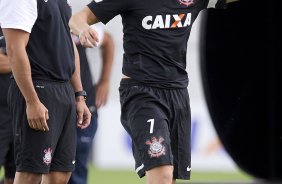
x=102, y=90
x=37, y=116
x=83, y=113
x=88, y=38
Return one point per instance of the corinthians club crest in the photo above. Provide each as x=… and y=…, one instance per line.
x=48, y=156
x=186, y=2
x=156, y=149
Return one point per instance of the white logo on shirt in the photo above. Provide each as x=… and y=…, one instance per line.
x=45, y=1
x=167, y=21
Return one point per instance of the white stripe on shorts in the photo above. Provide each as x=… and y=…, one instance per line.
x=212, y=3
x=139, y=168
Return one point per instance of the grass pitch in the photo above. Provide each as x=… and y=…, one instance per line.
x=99, y=176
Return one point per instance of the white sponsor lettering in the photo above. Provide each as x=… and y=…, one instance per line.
x=167, y=21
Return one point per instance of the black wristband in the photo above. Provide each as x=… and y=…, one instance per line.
x=81, y=93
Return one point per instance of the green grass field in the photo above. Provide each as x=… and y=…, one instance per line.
x=98, y=176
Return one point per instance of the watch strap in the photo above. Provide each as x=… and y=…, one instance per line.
x=81, y=93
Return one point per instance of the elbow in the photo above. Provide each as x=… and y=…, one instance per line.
x=13, y=53
x=108, y=42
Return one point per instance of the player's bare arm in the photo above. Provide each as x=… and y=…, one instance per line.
x=79, y=24
x=83, y=113
x=102, y=88
x=37, y=113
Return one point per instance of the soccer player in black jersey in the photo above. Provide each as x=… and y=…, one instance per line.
x=46, y=98
x=155, y=108
x=6, y=132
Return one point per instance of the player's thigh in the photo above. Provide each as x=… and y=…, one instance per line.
x=151, y=137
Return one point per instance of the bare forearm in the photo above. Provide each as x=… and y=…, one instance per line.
x=76, y=79
x=81, y=20
x=107, y=56
x=22, y=73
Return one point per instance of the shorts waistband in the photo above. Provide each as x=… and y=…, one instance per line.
x=46, y=81
x=128, y=82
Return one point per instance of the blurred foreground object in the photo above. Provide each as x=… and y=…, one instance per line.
x=239, y=63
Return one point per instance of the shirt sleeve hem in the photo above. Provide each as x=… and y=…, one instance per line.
x=96, y=13
x=16, y=26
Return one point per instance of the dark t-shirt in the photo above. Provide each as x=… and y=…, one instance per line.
x=50, y=47
x=155, y=37
x=4, y=85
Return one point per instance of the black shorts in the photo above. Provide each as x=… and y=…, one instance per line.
x=42, y=152
x=159, y=123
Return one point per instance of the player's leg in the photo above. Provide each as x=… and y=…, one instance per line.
x=160, y=175
x=144, y=116
x=35, y=150
x=10, y=168
x=27, y=178
x=56, y=178
x=83, y=148
x=29, y=144
x=8, y=181
x=63, y=160
x=6, y=144
x=7, y=161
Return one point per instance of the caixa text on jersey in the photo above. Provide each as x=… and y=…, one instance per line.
x=167, y=21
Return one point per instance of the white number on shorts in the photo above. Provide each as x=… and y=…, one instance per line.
x=152, y=125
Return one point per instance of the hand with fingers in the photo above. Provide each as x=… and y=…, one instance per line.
x=88, y=37
x=37, y=116
x=83, y=114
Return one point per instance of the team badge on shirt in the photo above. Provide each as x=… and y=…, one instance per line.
x=156, y=149
x=186, y=2
x=48, y=156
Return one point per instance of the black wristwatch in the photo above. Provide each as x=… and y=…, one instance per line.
x=81, y=93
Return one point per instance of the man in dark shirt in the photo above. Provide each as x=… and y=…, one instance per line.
x=155, y=108
x=45, y=97
x=6, y=132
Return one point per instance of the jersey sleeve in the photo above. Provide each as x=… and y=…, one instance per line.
x=219, y=4
x=105, y=10
x=18, y=14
